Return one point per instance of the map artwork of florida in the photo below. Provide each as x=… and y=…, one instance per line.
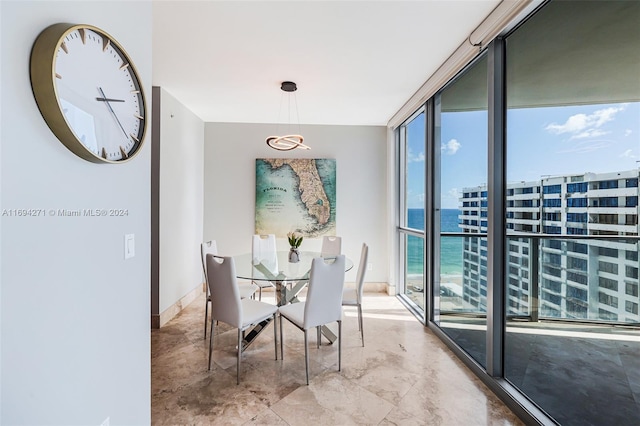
x=296, y=195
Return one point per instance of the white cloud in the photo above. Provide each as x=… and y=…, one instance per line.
x=451, y=147
x=575, y=123
x=628, y=154
x=587, y=146
x=453, y=193
x=628, y=132
x=413, y=158
x=581, y=126
x=589, y=133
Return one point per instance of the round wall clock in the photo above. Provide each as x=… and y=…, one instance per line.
x=89, y=93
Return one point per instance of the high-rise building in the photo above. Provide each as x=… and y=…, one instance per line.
x=582, y=278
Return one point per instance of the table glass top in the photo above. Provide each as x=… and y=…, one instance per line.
x=280, y=269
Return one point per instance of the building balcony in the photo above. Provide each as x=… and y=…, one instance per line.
x=516, y=197
x=517, y=209
x=581, y=225
x=612, y=192
x=612, y=210
x=619, y=228
x=524, y=221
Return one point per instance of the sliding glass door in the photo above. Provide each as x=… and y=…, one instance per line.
x=573, y=129
x=460, y=278
x=522, y=226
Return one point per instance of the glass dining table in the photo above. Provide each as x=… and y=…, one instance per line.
x=288, y=278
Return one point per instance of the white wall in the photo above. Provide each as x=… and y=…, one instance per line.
x=75, y=313
x=361, y=199
x=181, y=202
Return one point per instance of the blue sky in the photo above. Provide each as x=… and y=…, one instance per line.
x=540, y=141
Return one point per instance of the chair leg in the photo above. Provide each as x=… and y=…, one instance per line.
x=206, y=314
x=239, y=355
x=211, y=341
x=260, y=290
x=360, y=324
x=306, y=355
x=281, y=340
x=275, y=335
x=339, y=345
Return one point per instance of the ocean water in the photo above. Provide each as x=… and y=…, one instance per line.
x=450, y=247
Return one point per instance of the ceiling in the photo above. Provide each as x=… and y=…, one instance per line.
x=355, y=62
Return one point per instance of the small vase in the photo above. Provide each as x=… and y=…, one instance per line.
x=294, y=255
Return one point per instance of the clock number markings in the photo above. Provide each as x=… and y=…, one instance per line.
x=110, y=49
x=138, y=116
x=65, y=49
x=106, y=101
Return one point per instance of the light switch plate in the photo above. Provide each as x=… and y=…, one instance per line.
x=129, y=246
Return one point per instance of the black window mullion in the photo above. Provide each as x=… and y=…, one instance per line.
x=496, y=241
x=430, y=226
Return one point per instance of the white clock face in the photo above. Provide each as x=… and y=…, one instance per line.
x=99, y=94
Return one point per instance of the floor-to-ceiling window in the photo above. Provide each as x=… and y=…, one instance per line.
x=460, y=213
x=412, y=223
x=573, y=145
x=562, y=328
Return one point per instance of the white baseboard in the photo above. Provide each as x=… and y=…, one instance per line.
x=158, y=321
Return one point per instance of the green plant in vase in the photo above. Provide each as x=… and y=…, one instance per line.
x=295, y=239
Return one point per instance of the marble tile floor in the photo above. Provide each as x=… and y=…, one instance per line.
x=403, y=376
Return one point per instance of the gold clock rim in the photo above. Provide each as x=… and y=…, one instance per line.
x=42, y=71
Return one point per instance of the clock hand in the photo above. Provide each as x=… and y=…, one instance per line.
x=113, y=112
x=109, y=100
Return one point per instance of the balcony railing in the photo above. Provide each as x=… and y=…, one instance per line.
x=558, y=302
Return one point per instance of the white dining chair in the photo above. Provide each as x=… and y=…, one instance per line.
x=331, y=246
x=353, y=296
x=246, y=290
x=263, y=250
x=322, y=306
x=228, y=307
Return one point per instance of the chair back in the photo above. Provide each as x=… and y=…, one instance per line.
x=264, y=251
x=208, y=247
x=225, y=295
x=364, y=256
x=324, y=297
x=331, y=246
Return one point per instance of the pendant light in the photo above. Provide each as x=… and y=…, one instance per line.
x=290, y=141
